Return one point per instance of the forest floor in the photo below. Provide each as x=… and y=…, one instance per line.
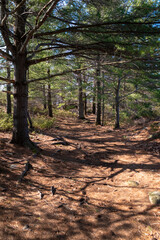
x=101, y=179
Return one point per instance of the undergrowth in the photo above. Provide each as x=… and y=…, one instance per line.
x=6, y=121
x=43, y=122
x=40, y=121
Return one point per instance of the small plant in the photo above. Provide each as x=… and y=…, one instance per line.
x=43, y=122
x=6, y=122
x=64, y=113
x=154, y=127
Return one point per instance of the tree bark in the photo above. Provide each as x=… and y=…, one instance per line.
x=94, y=99
x=85, y=96
x=85, y=104
x=9, y=104
x=81, y=102
x=30, y=121
x=44, y=97
x=98, y=119
x=50, y=113
x=117, y=124
x=103, y=106
x=20, y=123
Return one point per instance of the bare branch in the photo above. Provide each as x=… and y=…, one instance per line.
x=4, y=28
x=12, y=12
x=30, y=34
x=42, y=10
x=5, y=55
x=9, y=92
x=7, y=80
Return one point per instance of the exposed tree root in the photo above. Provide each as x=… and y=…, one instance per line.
x=28, y=144
x=33, y=146
x=28, y=166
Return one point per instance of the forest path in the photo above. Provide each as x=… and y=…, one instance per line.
x=101, y=178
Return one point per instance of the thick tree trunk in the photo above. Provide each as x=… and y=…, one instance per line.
x=98, y=119
x=117, y=124
x=81, y=102
x=20, y=123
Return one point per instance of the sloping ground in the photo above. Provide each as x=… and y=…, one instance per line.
x=101, y=181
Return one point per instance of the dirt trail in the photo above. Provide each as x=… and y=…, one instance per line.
x=101, y=179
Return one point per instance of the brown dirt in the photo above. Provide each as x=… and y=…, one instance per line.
x=89, y=167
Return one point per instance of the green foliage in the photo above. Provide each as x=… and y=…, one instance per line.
x=6, y=122
x=64, y=113
x=154, y=127
x=36, y=110
x=2, y=99
x=43, y=122
x=124, y=117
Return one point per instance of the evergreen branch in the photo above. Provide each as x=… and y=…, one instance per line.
x=65, y=21
x=81, y=28
x=123, y=97
x=88, y=67
x=35, y=61
x=56, y=75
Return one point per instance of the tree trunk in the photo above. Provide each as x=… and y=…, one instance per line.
x=98, y=119
x=85, y=104
x=20, y=123
x=81, y=102
x=50, y=114
x=94, y=99
x=30, y=121
x=103, y=106
x=9, y=104
x=85, y=97
x=44, y=97
x=117, y=124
